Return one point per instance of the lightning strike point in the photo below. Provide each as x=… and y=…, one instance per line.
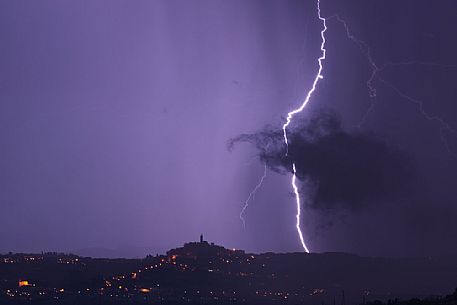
x=297, y=198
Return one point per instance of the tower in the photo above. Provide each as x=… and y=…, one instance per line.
x=201, y=238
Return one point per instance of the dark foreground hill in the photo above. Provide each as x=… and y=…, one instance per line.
x=203, y=273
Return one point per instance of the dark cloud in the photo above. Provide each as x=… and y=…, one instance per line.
x=339, y=169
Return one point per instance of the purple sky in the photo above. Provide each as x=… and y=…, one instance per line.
x=115, y=117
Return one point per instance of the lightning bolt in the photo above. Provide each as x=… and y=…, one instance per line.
x=372, y=92
x=366, y=51
x=444, y=126
x=376, y=70
x=252, y=195
x=290, y=116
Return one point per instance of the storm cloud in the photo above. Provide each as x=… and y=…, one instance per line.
x=337, y=168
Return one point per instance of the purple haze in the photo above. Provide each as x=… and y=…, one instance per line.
x=115, y=117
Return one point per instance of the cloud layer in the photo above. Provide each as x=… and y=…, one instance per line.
x=338, y=169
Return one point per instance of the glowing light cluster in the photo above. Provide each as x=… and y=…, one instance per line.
x=290, y=116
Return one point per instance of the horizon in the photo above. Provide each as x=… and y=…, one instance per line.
x=210, y=243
